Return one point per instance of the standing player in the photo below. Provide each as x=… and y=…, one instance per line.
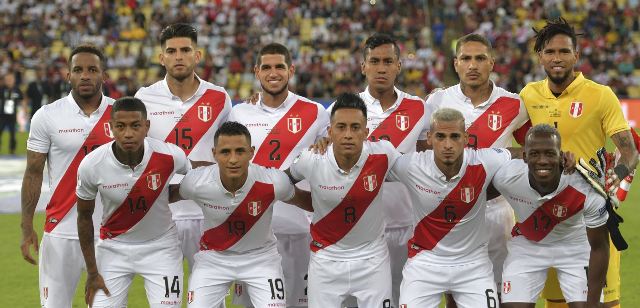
x=62, y=134
x=186, y=111
x=237, y=199
x=350, y=255
x=586, y=112
x=552, y=210
x=282, y=124
x=448, y=186
x=492, y=115
x=137, y=235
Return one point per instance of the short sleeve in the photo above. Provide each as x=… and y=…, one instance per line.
x=425, y=125
x=400, y=169
x=429, y=108
x=391, y=151
x=613, y=120
x=494, y=158
x=86, y=188
x=283, y=186
x=595, y=212
x=182, y=163
x=323, y=122
x=302, y=166
x=39, y=138
x=188, y=184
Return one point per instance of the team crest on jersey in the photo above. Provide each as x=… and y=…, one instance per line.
x=254, y=208
x=153, y=181
x=190, y=297
x=294, y=125
x=494, y=122
x=370, y=182
x=107, y=130
x=467, y=194
x=576, y=109
x=205, y=113
x=402, y=122
x=506, y=287
x=559, y=210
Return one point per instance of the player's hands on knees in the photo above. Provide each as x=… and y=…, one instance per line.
x=321, y=146
x=253, y=99
x=94, y=283
x=29, y=238
x=568, y=163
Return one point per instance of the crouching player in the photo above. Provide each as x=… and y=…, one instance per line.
x=552, y=211
x=237, y=200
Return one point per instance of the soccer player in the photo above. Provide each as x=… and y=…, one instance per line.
x=586, y=112
x=237, y=199
x=553, y=212
x=448, y=186
x=282, y=124
x=137, y=235
x=401, y=119
x=493, y=116
x=349, y=253
x=186, y=111
x=62, y=133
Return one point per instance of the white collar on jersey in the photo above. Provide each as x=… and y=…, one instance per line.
x=457, y=89
x=198, y=92
x=370, y=100
x=285, y=104
x=363, y=157
x=438, y=173
x=101, y=108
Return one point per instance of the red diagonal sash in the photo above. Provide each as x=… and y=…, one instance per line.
x=64, y=197
x=241, y=220
x=490, y=125
x=397, y=126
x=558, y=209
x=197, y=120
x=455, y=206
x=142, y=196
x=286, y=134
x=336, y=224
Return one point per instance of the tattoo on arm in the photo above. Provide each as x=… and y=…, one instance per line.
x=628, y=152
x=31, y=186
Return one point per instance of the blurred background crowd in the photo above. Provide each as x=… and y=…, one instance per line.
x=325, y=37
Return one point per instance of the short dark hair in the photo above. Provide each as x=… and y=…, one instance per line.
x=551, y=29
x=178, y=30
x=274, y=49
x=473, y=37
x=349, y=101
x=92, y=49
x=543, y=129
x=129, y=103
x=231, y=128
x=380, y=39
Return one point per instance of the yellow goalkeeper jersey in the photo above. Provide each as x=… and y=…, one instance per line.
x=585, y=113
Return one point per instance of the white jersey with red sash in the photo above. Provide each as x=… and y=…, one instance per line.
x=67, y=135
x=559, y=217
x=348, y=218
x=135, y=201
x=279, y=135
x=239, y=222
x=450, y=215
x=492, y=123
x=190, y=125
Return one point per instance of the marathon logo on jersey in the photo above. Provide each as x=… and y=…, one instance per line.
x=254, y=208
x=467, y=194
x=370, y=182
x=153, y=181
x=294, y=125
x=576, y=109
x=494, y=122
x=205, y=113
x=402, y=122
x=559, y=210
x=190, y=297
x=107, y=130
x=506, y=287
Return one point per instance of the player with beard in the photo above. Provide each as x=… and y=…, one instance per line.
x=186, y=111
x=282, y=124
x=62, y=134
x=585, y=111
